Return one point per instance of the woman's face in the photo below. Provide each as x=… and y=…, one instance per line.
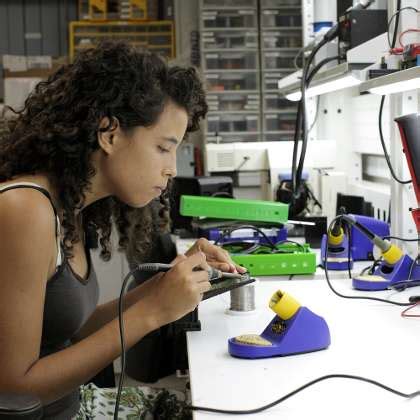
x=138, y=165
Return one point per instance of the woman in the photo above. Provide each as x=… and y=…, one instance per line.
x=93, y=142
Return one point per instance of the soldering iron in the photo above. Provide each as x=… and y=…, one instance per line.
x=390, y=252
x=214, y=274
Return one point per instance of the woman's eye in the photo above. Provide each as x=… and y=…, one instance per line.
x=163, y=150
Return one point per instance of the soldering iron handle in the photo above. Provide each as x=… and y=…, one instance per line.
x=159, y=267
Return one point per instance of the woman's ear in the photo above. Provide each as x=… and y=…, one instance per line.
x=106, y=134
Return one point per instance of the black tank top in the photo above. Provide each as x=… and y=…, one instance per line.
x=69, y=302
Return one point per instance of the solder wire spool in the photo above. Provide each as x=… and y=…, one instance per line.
x=242, y=300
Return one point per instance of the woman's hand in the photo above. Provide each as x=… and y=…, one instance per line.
x=216, y=256
x=173, y=294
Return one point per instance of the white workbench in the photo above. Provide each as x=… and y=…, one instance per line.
x=367, y=338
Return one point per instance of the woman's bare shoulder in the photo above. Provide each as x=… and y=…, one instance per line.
x=26, y=214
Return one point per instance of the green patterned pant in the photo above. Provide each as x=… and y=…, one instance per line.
x=137, y=402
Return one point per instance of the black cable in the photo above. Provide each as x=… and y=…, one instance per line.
x=122, y=340
x=270, y=243
x=230, y=230
x=401, y=239
x=315, y=70
x=301, y=388
x=327, y=277
x=381, y=106
x=381, y=137
x=318, y=66
x=318, y=99
x=288, y=241
x=298, y=173
x=402, y=285
x=397, y=22
x=397, y=13
x=301, y=124
x=376, y=262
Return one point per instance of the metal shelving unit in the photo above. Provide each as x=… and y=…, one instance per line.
x=230, y=62
x=281, y=39
x=246, y=47
x=157, y=36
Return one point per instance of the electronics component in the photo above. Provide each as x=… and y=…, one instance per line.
x=208, y=186
x=295, y=329
x=411, y=55
x=285, y=259
x=359, y=26
x=226, y=208
x=234, y=234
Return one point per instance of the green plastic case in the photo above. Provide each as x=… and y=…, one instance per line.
x=290, y=262
x=228, y=208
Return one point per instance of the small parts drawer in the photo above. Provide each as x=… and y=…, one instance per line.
x=226, y=4
x=277, y=102
x=230, y=60
x=230, y=123
x=282, y=39
x=273, y=18
x=233, y=102
x=280, y=122
x=219, y=82
x=245, y=19
x=271, y=80
x=230, y=39
x=279, y=60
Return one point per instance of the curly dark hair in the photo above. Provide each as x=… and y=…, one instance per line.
x=56, y=133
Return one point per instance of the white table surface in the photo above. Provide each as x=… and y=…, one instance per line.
x=367, y=339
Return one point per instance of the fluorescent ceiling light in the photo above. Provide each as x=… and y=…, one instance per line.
x=401, y=86
x=339, y=83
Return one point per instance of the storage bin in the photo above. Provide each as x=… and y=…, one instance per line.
x=271, y=79
x=280, y=122
x=245, y=18
x=275, y=18
x=277, y=102
x=222, y=4
x=282, y=39
x=230, y=60
x=229, y=39
x=157, y=36
x=219, y=82
x=233, y=102
x=286, y=136
x=231, y=123
x=268, y=4
x=279, y=59
x=233, y=138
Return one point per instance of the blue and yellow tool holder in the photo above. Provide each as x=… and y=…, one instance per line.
x=295, y=329
x=337, y=255
x=386, y=275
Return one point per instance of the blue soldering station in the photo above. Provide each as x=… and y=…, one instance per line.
x=295, y=329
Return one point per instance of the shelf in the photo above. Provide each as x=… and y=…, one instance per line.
x=212, y=71
x=336, y=78
x=280, y=28
x=393, y=83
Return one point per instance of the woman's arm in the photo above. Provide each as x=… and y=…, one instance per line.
x=27, y=242
x=215, y=256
